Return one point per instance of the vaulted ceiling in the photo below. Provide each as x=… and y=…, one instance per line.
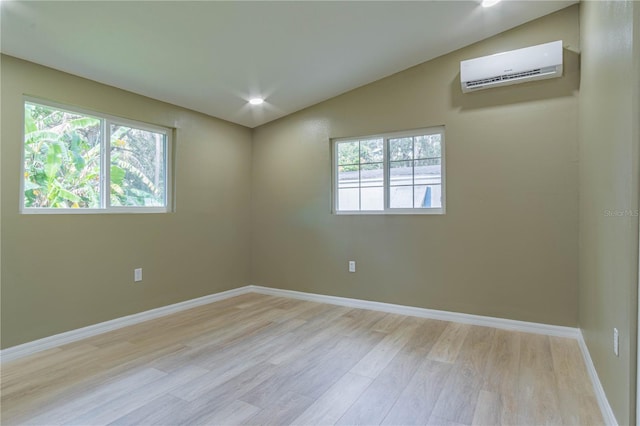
x=213, y=56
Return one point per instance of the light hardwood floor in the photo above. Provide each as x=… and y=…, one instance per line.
x=257, y=359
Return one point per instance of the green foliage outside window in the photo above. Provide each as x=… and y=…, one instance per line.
x=62, y=161
x=137, y=175
x=62, y=158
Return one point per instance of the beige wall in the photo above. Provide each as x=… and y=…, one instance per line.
x=61, y=272
x=507, y=246
x=609, y=151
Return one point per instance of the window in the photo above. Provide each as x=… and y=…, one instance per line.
x=83, y=162
x=399, y=172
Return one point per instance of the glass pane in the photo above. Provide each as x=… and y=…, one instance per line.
x=371, y=175
x=348, y=177
x=428, y=146
x=348, y=199
x=427, y=196
x=371, y=151
x=428, y=171
x=138, y=175
x=401, y=173
x=401, y=149
x=372, y=198
x=348, y=152
x=61, y=158
x=401, y=197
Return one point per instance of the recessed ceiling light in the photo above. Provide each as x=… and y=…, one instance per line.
x=256, y=101
x=489, y=3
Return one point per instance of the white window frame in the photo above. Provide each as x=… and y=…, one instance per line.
x=438, y=130
x=105, y=163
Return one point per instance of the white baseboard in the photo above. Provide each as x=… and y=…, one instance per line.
x=15, y=352
x=29, y=348
x=502, y=323
x=603, y=402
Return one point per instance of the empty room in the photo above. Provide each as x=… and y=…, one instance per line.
x=319, y=212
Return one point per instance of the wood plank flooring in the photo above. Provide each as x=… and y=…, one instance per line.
x=258, y=360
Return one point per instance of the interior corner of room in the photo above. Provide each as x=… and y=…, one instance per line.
x=542, y=194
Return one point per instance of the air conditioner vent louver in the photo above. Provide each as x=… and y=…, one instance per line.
x=531, y=63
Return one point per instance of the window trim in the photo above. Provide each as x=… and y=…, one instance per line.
x=386, y=178
x=105, y=157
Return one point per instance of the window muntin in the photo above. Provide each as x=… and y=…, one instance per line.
x=361, y=174
x=399, y=172
x=83, y=162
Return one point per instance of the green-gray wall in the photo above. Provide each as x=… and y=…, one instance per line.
x=62, y=272
x=526, y=235
x=508, y=244
x=609, y=151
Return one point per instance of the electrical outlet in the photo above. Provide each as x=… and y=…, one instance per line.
x=616, y=341
x=137, y=274
x=352, y=266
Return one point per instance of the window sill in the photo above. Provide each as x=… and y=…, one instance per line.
x=393, y=212
x=114, y=210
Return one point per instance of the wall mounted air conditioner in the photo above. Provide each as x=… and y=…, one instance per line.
x=516, y=66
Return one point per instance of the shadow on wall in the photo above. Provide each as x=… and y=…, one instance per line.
x=567, y=85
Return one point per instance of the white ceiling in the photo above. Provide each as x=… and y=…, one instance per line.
x=213, y=56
